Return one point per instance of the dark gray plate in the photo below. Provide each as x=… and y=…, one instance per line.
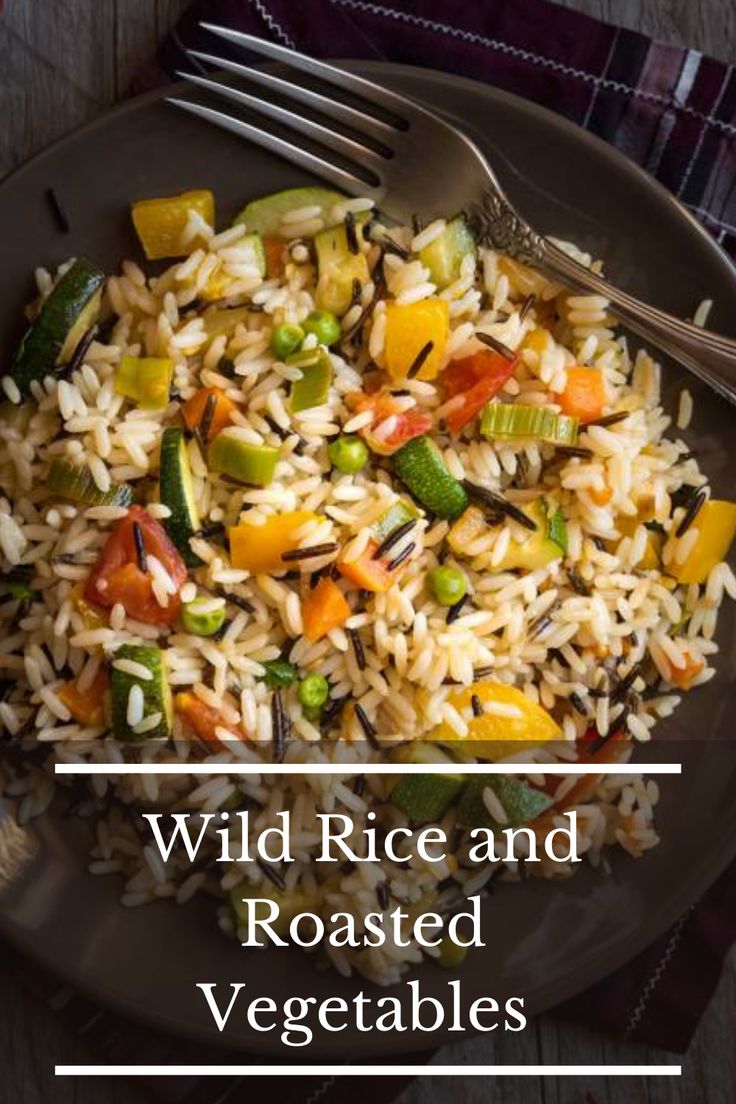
x=544, y=942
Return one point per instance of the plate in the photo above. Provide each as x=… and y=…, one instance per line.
x=544, y=943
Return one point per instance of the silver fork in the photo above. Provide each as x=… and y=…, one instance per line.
x=408, y=160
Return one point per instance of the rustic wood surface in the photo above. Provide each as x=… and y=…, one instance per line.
x=61, y=63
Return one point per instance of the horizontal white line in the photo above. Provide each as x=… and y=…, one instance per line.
x=367, y=768
x=379, y=1070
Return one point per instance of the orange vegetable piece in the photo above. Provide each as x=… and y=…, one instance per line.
x=201, y=718
x=87, y=707
x=323, y=609
x=585, y=394
x=601, y=498
x=259, y=548
x=193, y=410
x=367, y=573
x=682, y=677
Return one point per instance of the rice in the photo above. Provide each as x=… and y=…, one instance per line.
x=560, y=635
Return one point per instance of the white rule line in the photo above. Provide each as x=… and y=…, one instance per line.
x=378, y=1070
x=367, y=768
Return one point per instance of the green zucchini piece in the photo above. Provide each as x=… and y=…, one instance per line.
x=557, y=529
x=264, y=215
x=444, y=256
x=75, y=483
x=547, y=543
x=507, y=421
x=521, y=802
x=313, y=389
x=201, y=621
x=396, y=515
x=72, y=306
x=279, y=674
x=177, y=492
x=419, y=465
x=156, y=692
x=230, y=455
x=425, y=797
x=337, y=270
x=21, y=592
x=145, y=380
x=257, y=253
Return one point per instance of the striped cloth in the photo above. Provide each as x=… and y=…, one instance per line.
x=672, y=111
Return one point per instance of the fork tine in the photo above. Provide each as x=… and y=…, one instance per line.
x=367, y=90
x=342, y=113
x=346, y=147
x=336, y=175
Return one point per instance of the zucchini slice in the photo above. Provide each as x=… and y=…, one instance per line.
x=75, y=483
x=145, y=381
x=425, y=797
x=419, y=465
x=444, y=256
x=155, y=690
x=230, y=455
x=71, y=308
x=313, y=388
x=177, y=492
x=337, y=270
x=507, y=421
x=547, y=543
x=264, y=215
x=521, y=802
x=396, y=515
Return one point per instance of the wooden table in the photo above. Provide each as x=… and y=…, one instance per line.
x=61, y=63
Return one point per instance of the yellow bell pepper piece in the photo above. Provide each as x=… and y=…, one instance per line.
x=627, y=526
x=259, y=548
x=716, y=521
x=494, y=735
x=408, y=329
x=224, y=320
x=469, y=526
x=160, y=223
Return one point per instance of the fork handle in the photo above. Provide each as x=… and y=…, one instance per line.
x=711, y=356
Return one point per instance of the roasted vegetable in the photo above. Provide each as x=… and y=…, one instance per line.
x=509, y=722
x=419, y=465
x=444, y=256
x=259, y=548
x=230, y=454
x=716, y=525
x=75, y=483
x=152, y=693
x=71, y=308
x=145, y=380
x=160, y=223
x=507, y=421
x=414, y=330
x=521, y=802
x=176, y=491
x=323, y=609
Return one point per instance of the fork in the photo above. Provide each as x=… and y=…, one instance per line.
x=408, y=159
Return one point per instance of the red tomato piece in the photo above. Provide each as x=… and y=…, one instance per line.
x=116, y=577
x=391, y=427
x=475, y=379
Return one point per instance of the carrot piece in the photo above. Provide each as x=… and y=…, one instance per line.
x=274, y=250
x=323, y=609
x=367, y=573
x=585, y=394
x=601, y=498
x=682, y=677
x=194, y=408
x=87, y=707
x=201, y=718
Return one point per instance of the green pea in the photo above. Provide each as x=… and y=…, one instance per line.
x=348, y=454
x=451, y=954
x=201, y=621
x=286, y=339
x=279, y=674
x=324, y=325
x=448, y=585
x=313, y=691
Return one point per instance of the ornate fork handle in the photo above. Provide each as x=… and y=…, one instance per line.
x=710, y=356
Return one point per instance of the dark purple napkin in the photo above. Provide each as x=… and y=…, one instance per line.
x=674, y=112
